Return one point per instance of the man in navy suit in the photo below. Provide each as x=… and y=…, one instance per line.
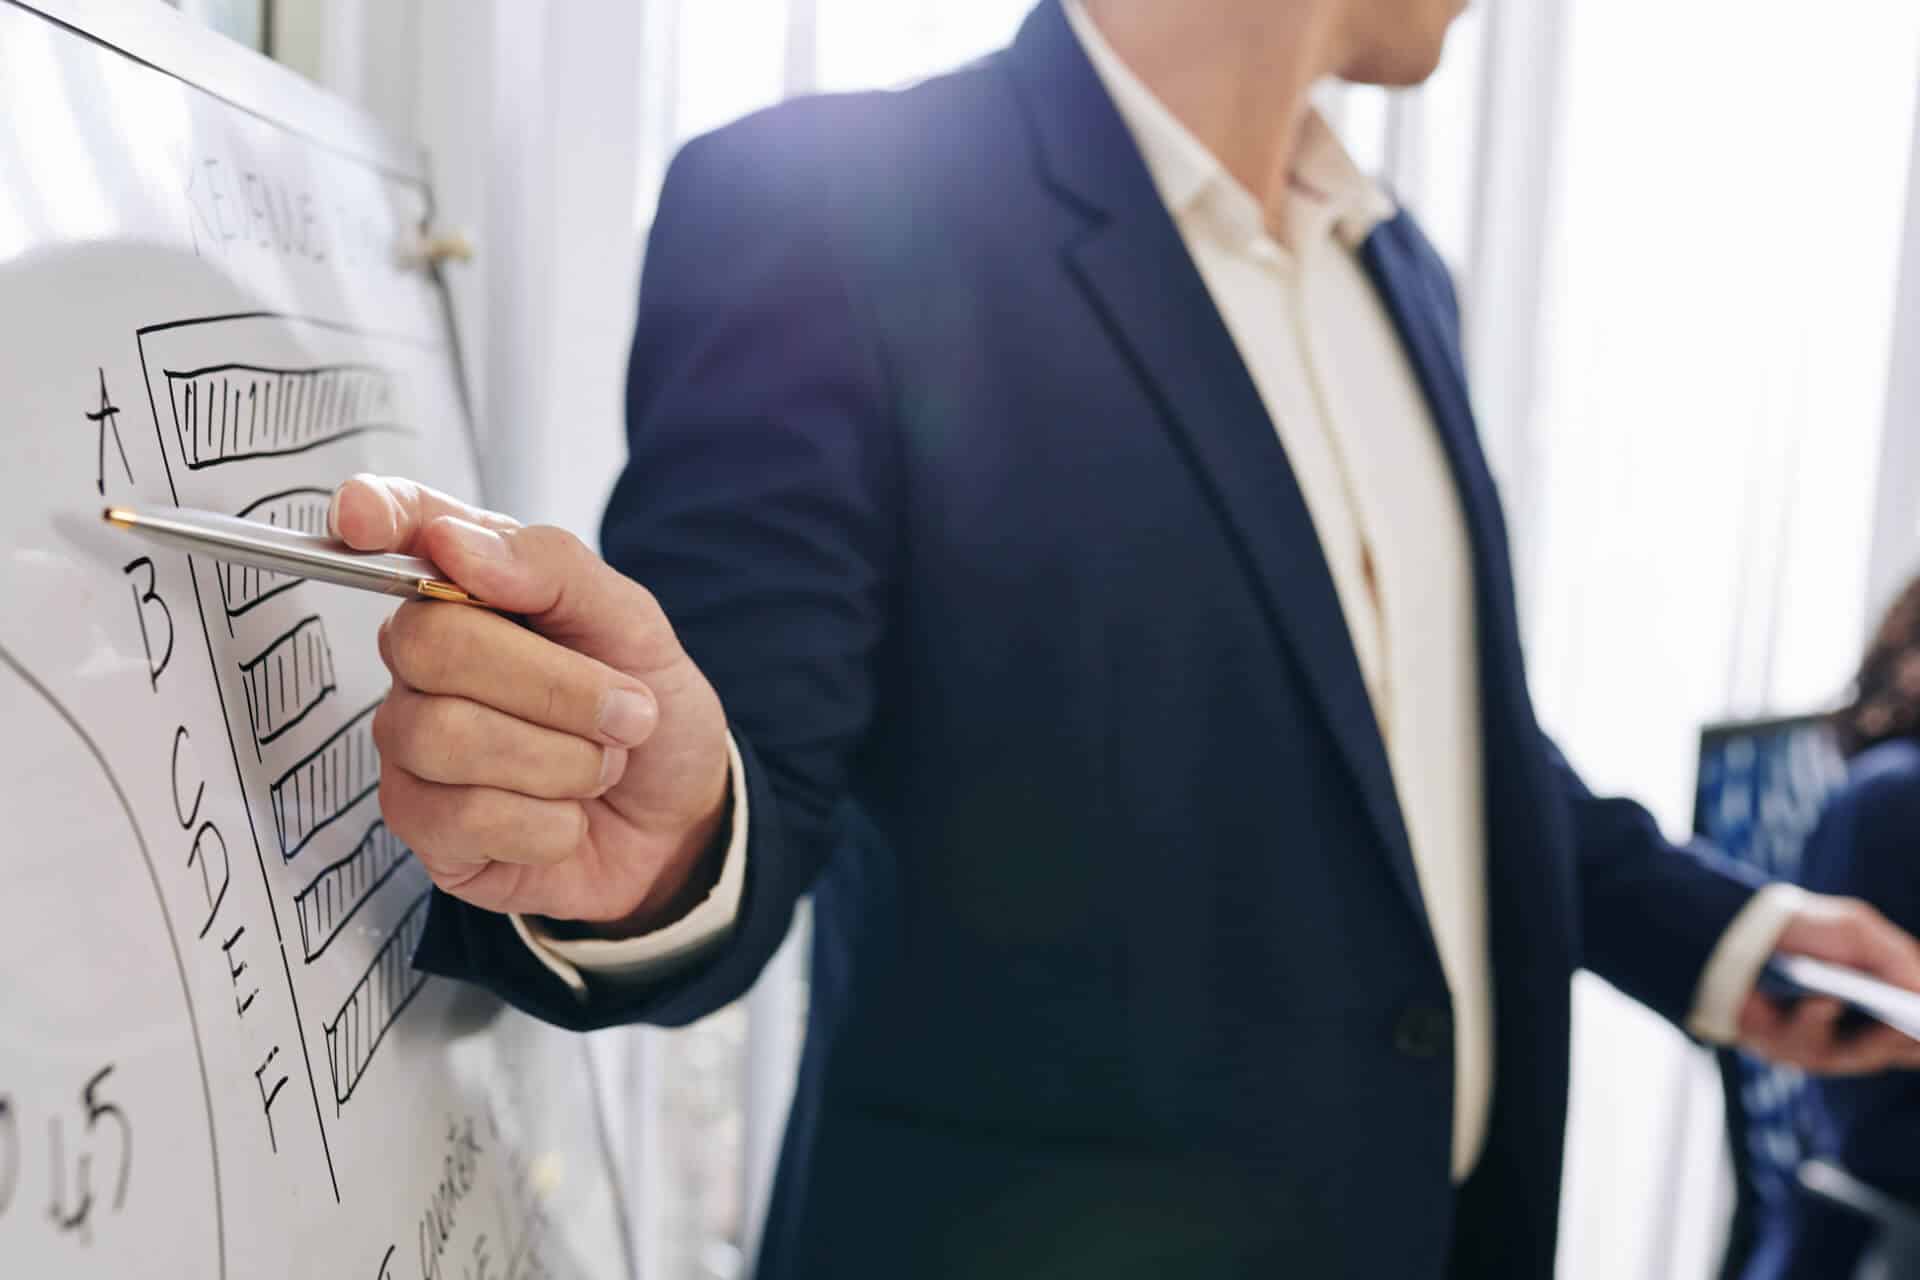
x=1055, y=537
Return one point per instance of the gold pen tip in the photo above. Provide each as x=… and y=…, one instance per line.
x=120, y=516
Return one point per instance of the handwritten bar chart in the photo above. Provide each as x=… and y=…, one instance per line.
x=376, y=1001
x=343, y=887
x=288, y=679
x=231, y=412
x=335, y=776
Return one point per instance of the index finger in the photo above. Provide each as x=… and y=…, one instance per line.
x=455, y=651
x=1888, y=951
x=388, y=513
x=1874, y=1047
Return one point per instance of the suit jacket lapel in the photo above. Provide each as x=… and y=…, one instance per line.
x=1136, y=269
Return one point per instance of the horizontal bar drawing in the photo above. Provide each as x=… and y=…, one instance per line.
x=334, y=777
x=343, y=887
x=243, y=586
x=376, y=1002
x=289, y=678
x=231, y=412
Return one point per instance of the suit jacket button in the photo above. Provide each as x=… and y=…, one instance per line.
x=1423, y=1031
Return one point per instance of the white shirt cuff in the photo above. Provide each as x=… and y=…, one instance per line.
x=653, y=955
x=1737, y=959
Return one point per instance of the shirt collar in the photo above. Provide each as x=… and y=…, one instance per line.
x=1329, y=190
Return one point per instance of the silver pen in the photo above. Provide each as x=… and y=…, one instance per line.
x=302, y=555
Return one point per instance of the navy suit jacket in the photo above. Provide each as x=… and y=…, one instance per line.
x=1865, y=847
x=952, y=481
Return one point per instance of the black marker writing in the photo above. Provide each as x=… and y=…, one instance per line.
x=107, y=418
x=458, y=1168
x=209, y=845
x=182, y=738
x=63, y=1218
x=235, y=968
x=99, y=1112
x=269, y=1093
x=141, y=599
x=481, y=1266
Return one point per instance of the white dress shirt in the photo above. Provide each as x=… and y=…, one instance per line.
x=1361, y=442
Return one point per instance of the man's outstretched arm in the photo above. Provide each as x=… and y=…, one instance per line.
x=1685, y=932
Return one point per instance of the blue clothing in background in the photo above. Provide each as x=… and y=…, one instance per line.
x=1867, y=846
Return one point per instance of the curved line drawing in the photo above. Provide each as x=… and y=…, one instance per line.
x=173, y=939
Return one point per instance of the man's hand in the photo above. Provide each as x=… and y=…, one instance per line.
x=1811, y=1034
x=574, y=767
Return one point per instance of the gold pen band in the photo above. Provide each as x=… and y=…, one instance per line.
x=440, y=589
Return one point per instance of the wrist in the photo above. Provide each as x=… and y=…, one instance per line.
x=688, y=874
x=688, y=882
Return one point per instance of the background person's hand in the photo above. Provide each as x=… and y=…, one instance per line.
x=575, y=767
x=1812, y=1033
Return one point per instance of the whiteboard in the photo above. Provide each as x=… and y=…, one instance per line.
x=215, y=1056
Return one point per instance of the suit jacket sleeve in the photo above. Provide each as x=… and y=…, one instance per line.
x=1650, y=911
x=757, y=506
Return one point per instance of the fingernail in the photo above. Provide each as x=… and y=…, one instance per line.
x=627, y=716
x=333, y=515
x=483, y=544
x=613, y=763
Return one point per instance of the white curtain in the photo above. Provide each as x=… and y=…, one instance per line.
x=1896, y=541
x=1723, y=251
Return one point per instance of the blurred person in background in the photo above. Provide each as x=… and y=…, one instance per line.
x=1056, y=537
x=1866, y=846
